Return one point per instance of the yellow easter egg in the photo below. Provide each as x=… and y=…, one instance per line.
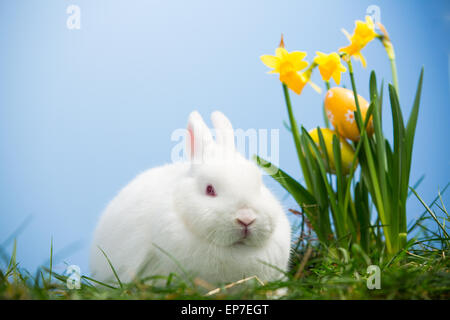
x=340, y=107
x=347, y=152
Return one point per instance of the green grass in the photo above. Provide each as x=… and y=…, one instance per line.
x=421, y=271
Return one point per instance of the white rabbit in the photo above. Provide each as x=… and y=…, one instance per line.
x=212, y=216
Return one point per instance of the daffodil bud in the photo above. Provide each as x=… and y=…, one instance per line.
x=347, y=152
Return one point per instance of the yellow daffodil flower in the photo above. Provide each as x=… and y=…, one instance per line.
x=330, y=66
x=287, y=65
x=364, y=33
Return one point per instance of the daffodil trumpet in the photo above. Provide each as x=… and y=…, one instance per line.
x=330, y=66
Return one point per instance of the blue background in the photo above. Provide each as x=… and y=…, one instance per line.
x=83, y=111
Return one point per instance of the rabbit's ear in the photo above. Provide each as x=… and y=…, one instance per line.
x=224, y=129
x=199, y=136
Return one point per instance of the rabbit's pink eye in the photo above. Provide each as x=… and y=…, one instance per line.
x=210, y=190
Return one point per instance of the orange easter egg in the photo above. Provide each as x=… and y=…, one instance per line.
x=340, y=107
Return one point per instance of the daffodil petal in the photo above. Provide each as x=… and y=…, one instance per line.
x=298, y=55
x=315, y=87
x=320, y=56
x=360, y=57
x=337, y=77
x=346, y=34
x=281, y=52
x=369, y=22
x=270, y=61
x=297, y=60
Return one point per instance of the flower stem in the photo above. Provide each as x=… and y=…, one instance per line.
x=295, y=134
x=325, y=117
x=394, y=73
x=389, y=47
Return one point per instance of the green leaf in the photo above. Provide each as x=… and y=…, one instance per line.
x=411, y=129
x=303, y=197
x=312, y=166
x=363, y=212
x=338, y=166
x=379, y=151
x=357, y=155
x=337, y=215
x=323, y=147
x=298, y=192
x=398, y=178
x=373, y=86
x=412, y=121
x=112, y=268
x=318, y=187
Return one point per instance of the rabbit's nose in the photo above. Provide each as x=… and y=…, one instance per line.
x=245, y=221
x=245, y=217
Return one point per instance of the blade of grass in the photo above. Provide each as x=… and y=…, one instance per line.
x=51, y=261
x=98, y=282
x=431, y=213
x=12, y=268
x=178, y=264
x=112, y=268
x=425, y=212
x=444, y=209
x=16, y=232
x=416, y=185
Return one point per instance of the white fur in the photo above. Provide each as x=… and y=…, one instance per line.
x=166, y=210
